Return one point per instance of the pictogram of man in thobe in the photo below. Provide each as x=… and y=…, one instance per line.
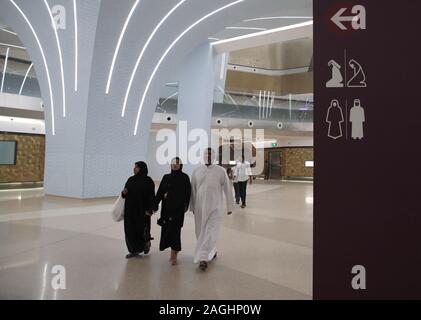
x=357, y=118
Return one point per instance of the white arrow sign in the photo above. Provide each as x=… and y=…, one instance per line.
x=358, y=20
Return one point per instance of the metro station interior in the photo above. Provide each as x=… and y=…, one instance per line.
x=88, y=87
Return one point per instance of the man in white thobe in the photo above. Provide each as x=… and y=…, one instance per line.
x=209, y=183
x=243, y=174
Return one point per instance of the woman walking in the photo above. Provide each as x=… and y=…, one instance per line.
x=139, y=193
x=174, y=192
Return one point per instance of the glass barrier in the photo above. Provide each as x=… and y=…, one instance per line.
x=257, y=105
x=17, y=79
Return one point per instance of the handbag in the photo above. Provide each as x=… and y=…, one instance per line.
x=118, y=209
x=161, y=222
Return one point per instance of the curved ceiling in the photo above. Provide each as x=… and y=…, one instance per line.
x=119, y=32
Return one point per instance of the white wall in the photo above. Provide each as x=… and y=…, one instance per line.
x=22, y=125
x=156, y=170
x=20, y=102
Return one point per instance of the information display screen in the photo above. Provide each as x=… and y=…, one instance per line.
x=8, y=152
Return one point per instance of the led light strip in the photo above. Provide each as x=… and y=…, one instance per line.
x=24, y=79
x=264, y=104
x=45, y=64
x=281, y=17
x=76, y=43
x=143, y=51
x=12, y=46
x=117, y=49
x=271, y=105
x=168, y=50
x=263, y=33
x=63, y=87
x=222, y=71
x=268, y=105
x=8, y=31
x=171, y=96
x=245, y=28
x=227, y=95
x=4, y=69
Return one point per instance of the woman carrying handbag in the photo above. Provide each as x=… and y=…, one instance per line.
x=138, y=193
x=174, y=192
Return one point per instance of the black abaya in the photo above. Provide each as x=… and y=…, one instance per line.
x=177, y=187
x=139, y=200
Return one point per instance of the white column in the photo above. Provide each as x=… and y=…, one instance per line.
x=195, y=100
x=221, y=62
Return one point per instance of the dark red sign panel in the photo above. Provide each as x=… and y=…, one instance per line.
x=367, y=209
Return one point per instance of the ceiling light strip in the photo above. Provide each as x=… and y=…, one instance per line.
x=271, y=105
x=245, y=28
x=268, y=105
x=24, y=79
x=8, y=31
x=281, y=17
x=169, y=49
x=117, y=49
x=12, y=46
x=45, y=64
x=126, y=97
x=76, y=43
x=171, y=96
x=222, y=70
x=262, y=33
x=4, y=69
x=63, y=87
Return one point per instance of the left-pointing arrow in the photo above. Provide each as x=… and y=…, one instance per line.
x=338, y=19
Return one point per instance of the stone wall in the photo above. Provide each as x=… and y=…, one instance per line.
x=293, y=162
x=30, y=157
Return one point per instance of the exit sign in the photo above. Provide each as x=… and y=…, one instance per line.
x=274, y=144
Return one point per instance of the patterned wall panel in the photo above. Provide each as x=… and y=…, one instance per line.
x=29, y=159
x=293, y=162
x=282, y=85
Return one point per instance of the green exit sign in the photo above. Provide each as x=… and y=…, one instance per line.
x=274, y=144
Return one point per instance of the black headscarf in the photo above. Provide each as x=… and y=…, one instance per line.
x=181, y=166
x=143, y=168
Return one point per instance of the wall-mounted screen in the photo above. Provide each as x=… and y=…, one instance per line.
x=8, y=152
x=309, y=164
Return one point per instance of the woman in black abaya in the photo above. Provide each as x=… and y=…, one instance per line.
x=174, y=192
x=139, y=195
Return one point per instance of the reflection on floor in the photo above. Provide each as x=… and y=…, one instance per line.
x=264, y=251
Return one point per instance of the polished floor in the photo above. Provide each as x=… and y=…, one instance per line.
x=264, y=250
